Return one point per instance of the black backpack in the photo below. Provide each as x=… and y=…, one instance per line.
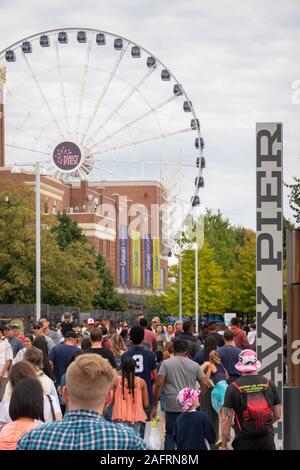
x=257, y=413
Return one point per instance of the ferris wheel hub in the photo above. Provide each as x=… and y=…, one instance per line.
x=68, y=156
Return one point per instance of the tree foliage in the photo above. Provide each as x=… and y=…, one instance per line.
x=226, y=270
x=221, y=238
x=242, y=277
x=69, y=269
x=16, y=243
x=211, y=282
x=108, y=298
x=67, y=231
x=295, y=198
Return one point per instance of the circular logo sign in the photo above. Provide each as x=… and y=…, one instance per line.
x=67, y=156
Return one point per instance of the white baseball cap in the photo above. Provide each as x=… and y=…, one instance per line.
x=91, y=321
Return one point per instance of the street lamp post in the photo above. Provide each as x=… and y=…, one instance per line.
x=196, y=289
x=180, y=279
x=38, y=240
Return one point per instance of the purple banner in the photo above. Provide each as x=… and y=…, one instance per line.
x=123, y=257
x=148, y=261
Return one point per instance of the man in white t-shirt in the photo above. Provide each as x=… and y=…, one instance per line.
x=6, y=357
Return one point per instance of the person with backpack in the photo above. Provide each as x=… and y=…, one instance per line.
x=218, y=376
x=254, y=404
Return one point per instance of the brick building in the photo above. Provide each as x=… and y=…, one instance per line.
x=120, y=219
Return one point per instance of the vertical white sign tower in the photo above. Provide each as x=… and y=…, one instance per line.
x=269, y=259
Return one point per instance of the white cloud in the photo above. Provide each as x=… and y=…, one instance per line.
x=236, y=60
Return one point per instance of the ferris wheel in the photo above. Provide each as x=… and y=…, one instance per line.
x=90, y=104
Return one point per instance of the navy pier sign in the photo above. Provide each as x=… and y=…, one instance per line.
x=269, y=257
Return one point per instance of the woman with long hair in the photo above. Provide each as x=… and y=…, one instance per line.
x=210, y=344
x=25, y=408
x=35, y=357
x=178, y=327
x=117, y=347
x=20, y=371
x=217, y=374
x=125, y=336
x=40, y=343
x=160, y=338
x=130, y=397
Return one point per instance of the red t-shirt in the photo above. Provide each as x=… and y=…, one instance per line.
x=150, y=342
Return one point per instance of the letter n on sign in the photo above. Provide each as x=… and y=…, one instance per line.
x=269, y=281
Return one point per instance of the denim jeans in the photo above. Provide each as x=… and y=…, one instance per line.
x=170, y=422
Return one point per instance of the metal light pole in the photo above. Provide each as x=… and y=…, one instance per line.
x=196, y=289
x=38, y=240
x=180, y=280
x=16, y=169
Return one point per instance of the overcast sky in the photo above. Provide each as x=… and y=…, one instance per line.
x=236, y=59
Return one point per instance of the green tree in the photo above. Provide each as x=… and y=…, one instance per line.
x=67, y=231
x=242, y=277
x=156, y=305
x=108, y=298
x=220, y=237
x=69, y=276
x=16, y=239
x=212, y=284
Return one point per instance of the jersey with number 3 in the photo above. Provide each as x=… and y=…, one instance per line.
x=145, y=364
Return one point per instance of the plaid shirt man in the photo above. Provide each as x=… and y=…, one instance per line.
x=82, y=430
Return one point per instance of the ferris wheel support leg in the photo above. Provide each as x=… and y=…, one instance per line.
x=38, y=240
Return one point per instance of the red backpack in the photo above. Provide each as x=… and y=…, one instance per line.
x=257, y=413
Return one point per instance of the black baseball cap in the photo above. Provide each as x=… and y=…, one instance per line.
x=38, y=325
x=71, y=334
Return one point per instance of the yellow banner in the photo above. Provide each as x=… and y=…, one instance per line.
x=156, y=263
x=136, y=259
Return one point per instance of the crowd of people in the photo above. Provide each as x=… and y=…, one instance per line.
x=95, y=386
